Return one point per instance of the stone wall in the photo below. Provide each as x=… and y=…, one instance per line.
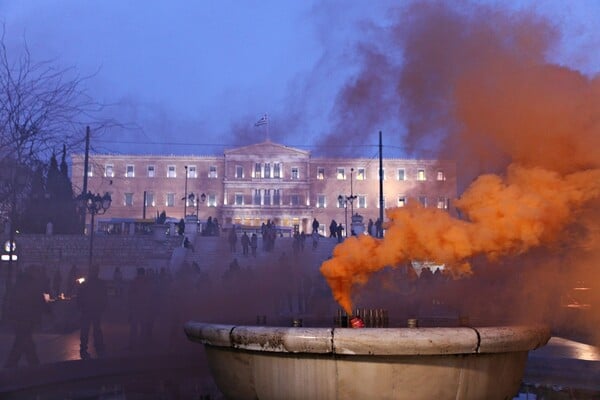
x=126, y=251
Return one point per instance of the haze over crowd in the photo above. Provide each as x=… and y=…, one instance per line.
x=510, y=92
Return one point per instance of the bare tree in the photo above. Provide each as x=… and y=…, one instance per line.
x=42, y=107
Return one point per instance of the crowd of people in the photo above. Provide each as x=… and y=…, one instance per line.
x=33, y=301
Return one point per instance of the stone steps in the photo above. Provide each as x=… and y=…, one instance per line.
x=213, y=254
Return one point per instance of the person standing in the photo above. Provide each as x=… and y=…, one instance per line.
x=333, y=229
x=25, y=308
x=56, y=283
x=245, y=243
x=71, y=279
x=140, y=310
x=92, y=299
x=340, y=233
x=232, y=239
x=315, y=225
x=254, y=243
x=315, y=240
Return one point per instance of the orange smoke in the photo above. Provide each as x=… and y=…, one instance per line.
x=530, y=206
x=474, y=81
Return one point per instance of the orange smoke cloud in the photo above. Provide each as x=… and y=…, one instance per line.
x=502, y=217
x=475, y=80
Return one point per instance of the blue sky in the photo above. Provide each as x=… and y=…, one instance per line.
x=203, y=72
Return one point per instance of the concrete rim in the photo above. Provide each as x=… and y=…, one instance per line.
x=370, y=341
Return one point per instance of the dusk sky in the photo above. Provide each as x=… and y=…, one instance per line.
x=202, y=73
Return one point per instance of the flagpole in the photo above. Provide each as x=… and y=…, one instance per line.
x=264, y=120
x=267, y=118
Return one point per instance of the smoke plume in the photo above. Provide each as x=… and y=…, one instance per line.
x=525, y=133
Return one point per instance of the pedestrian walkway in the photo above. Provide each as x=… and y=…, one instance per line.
x=565, y=363
x=61, y=372
x=562, y=363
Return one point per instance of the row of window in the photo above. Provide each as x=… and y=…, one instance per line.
x=266, y=170
x=273, y=197
x=171, y=172
x=169, y=200
x=360, y=201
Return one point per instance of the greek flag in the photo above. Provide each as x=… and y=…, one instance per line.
x=264, y=120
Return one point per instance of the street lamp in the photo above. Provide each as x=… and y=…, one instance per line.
x=352, y=196
x=193, y=199
x=348, y=199
x=344, y=201
x=185, y=194
x=95, y=205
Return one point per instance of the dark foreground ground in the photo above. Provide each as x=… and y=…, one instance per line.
x=564, y=369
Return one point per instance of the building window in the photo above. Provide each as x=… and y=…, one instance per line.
x=256, y=199
x=442, y=203
x=170, y=200
x=267, y=173
x=361, y=174
x=129, y=171
x=267, y=197
x=90, y=169
x=151, y=171
x=171, y=173
x=401, y=174
x=341, y=174
x=340, y=201
x=277, y=170
x=320, y=201
x=441, y=176
x=257, y=170
x=150, y=199
x=421, y=175
x=384, y=202
x=128, y=199
x=239, y=199
x=294, y=200
x=423, y=201
x=383, y=174
x=212, y=200
x=362, y=201
x=276, y=197
x=320, y=173
x=401, y=201
x=295, y=173
x=212, y=171
x=109, y=170
x=192, y=171
x=239, y=172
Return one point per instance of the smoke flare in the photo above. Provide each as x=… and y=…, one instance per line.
x=501, y=217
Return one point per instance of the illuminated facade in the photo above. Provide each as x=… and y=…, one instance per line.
x=266, y=181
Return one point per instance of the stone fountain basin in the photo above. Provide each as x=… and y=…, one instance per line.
x=259, y=362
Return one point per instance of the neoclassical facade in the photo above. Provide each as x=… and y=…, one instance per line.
x=265, y=181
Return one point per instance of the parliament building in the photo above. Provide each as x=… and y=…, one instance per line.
x=265, y=181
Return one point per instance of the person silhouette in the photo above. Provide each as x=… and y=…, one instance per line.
x=141, y=310
x=91, y=300
x=25, y=308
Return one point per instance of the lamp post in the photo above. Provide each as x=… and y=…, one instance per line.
x=202, y=198
x=348, y=199
x=95, y=205
x=352, y=196
x=344, y=200
x=197, y=200
x=185, y=195
x=192, y=198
